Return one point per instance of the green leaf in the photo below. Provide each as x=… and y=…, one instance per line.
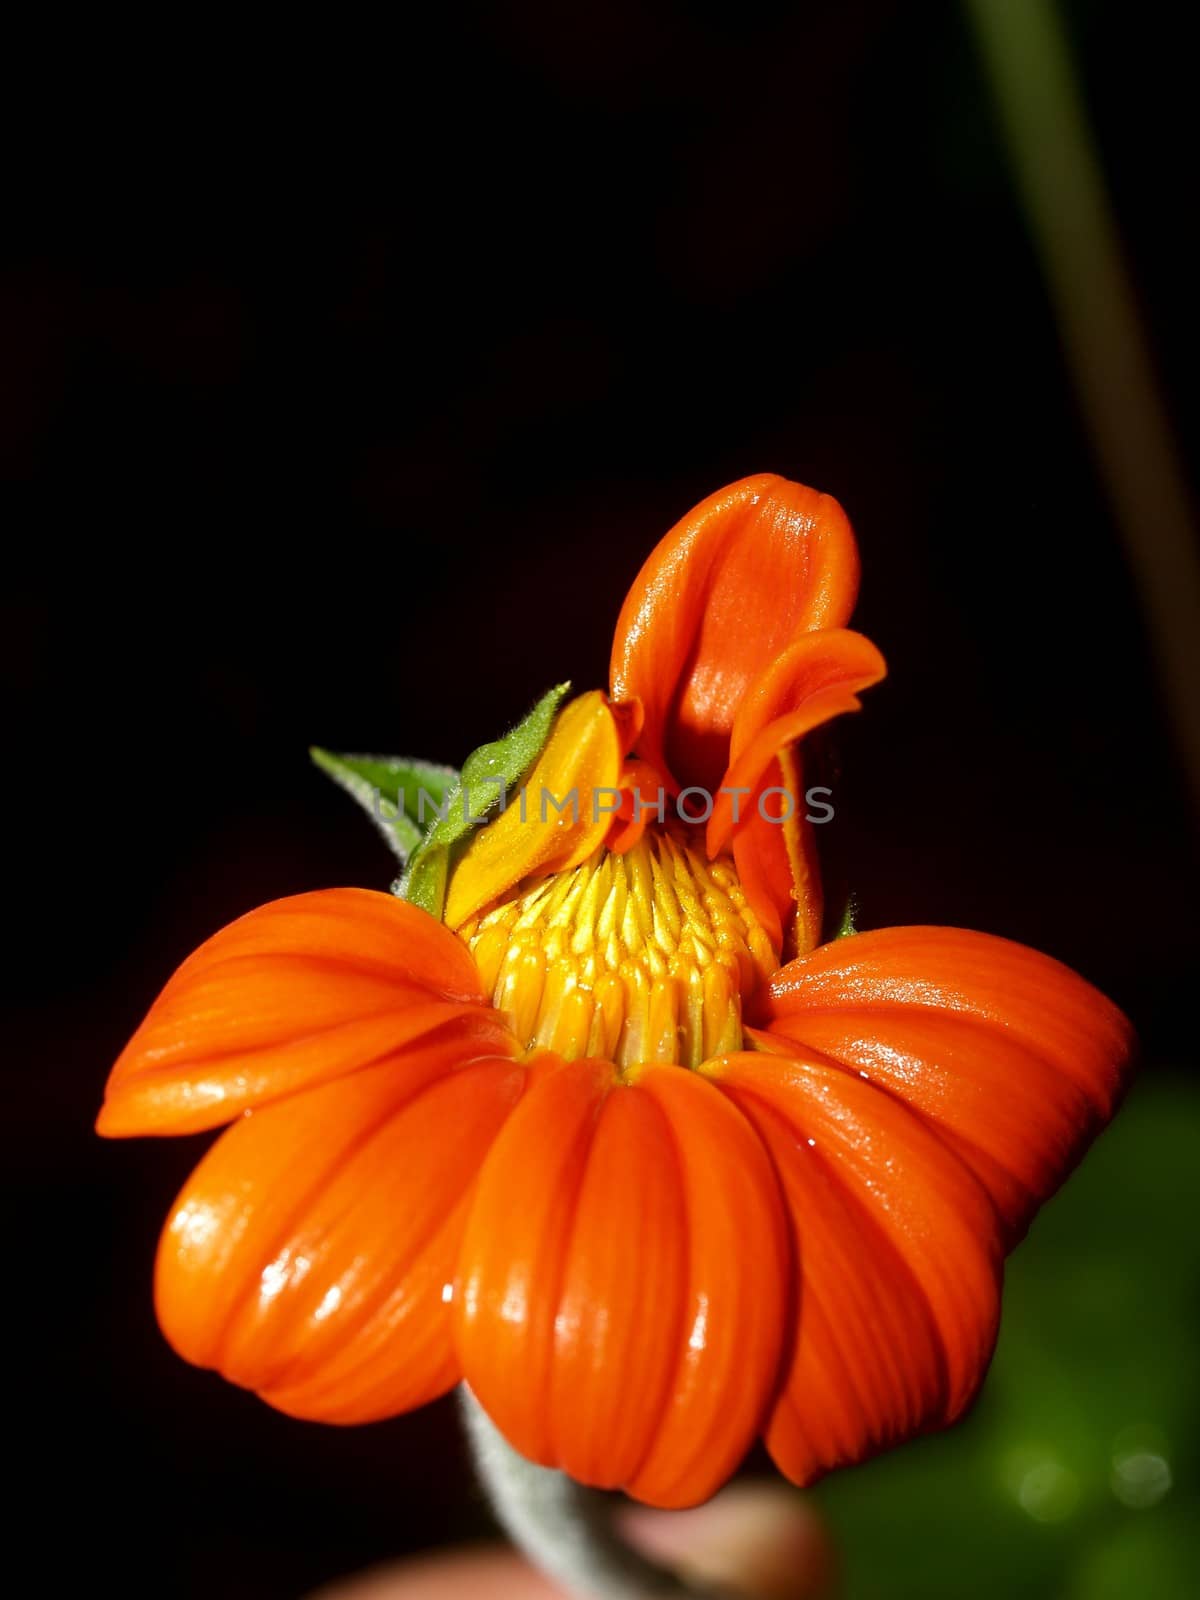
x=390, y=790
x=487, y=775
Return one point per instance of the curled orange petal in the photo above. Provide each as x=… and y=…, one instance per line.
x=311, y=1254
x=625, y=1322
x=1011, y=1057
x=899, y=1257
x=641, y=786
x=296, y=993
x=775, y=856
x=814, y=680
x=740, y=1292
x=828, y=659
x=725, y=593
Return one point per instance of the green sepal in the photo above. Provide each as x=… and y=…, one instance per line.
x=846, y=924
x=389, y=790
x=487, y=774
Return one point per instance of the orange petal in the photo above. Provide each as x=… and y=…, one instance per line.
x=740, y=1285
x=563, y=814
x=831, y=658
x=1011, y=1056
x=809, y=683
x=309, y=1256
x=623, y=1282
x=776, y=859
x=291, y=995
x=641, y=786
x=813, y=681
x=732, y=585
x=899, y=1257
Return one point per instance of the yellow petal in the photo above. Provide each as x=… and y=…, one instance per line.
x=564, y=813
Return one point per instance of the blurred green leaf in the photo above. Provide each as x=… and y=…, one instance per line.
x=1033, y=1494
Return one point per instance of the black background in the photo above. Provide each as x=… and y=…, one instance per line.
x=345, y=391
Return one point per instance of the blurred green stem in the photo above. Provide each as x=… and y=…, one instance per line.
x=1028, y=58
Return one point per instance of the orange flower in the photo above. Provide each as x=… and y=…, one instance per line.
x=590, y=1141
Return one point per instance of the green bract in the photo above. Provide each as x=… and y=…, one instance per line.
x=390, y=789
x=486, y=774
x=847, y=922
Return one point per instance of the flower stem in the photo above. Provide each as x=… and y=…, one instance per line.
x=564, y=1529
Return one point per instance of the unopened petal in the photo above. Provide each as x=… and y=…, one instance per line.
x=732, y=585
x=564, y=813
x=814, y=680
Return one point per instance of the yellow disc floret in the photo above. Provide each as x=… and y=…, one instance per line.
x=639, y=957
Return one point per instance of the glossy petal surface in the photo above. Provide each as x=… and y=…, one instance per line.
x=294, y=994
x=310, y=1254
x=774, y=846
x=724, y=594
x=899, y=1257
x=1009, y=1055
x=776, y=858
x=625, y=1324
x=816, y=678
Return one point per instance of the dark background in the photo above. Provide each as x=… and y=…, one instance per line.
x=341, y=401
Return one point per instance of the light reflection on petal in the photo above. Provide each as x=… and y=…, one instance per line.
x=330, y=1301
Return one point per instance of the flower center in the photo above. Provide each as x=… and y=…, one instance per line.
x=639, y=957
